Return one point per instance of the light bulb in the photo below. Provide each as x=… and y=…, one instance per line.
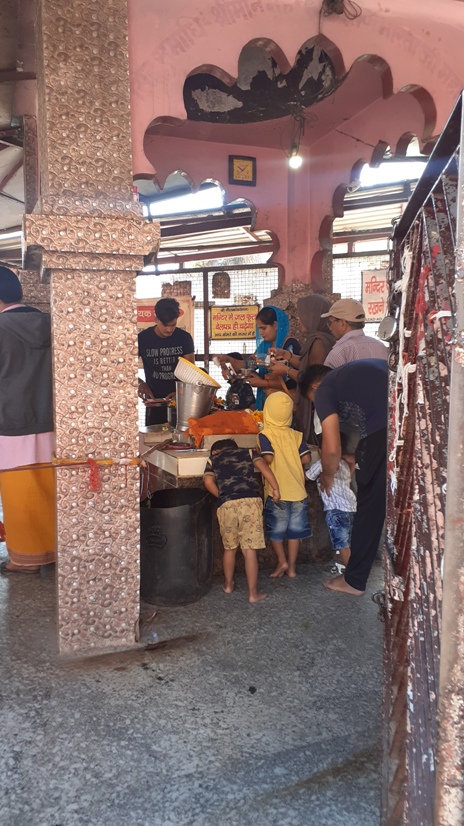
x=295, y=161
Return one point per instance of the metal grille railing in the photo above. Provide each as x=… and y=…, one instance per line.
x=422, y=295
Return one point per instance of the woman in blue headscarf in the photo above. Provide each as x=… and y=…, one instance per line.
x=272, y=328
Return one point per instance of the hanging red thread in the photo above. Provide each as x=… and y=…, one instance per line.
x=2, y=532
x=95, y=483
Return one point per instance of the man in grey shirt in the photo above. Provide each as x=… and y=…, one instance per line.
x=346, y=319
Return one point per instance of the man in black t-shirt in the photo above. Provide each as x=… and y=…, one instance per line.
x=159, y=348
x=353, y=399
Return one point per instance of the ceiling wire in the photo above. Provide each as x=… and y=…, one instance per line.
x=347, y=8
x=354, y=138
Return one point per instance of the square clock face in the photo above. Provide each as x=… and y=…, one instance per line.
x=242, y=170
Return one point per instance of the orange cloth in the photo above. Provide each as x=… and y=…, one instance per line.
x=29, y=514
x=225, y=421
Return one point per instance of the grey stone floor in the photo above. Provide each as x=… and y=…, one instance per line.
x=265, y=715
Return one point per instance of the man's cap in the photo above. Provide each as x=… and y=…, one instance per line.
x=348, y=309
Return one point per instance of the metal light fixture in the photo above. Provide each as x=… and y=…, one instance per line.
x=294, y=158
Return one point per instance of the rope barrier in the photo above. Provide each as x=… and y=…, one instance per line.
x=137, y=461
x=94, y=466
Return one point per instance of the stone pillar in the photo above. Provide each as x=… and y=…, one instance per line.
x=88, y=236
x=36, y=293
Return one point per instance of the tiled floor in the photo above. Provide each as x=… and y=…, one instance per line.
x=265, y=715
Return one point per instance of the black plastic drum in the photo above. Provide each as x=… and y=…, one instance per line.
x=176, y=547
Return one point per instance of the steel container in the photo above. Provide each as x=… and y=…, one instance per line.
x=193, y=401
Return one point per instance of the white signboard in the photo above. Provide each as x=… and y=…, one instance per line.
x=375, y=294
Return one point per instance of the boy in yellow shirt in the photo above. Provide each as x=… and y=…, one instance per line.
x=285, y=451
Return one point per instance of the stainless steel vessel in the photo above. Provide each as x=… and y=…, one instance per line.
x=192, y=401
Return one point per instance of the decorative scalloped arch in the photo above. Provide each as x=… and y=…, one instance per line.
x=321, y=258
x=189, y=180
x=382, y=68
x=273, y=89
x=427, y=104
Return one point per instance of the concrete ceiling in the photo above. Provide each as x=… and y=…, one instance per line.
x=356, y=92
x=326, y=116
x=8, y=49
x=17, y=97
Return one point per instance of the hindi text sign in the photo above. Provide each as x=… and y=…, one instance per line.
x=375, y=294
x=234, y=322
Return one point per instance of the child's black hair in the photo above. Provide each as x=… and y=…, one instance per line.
x=222, y=444
x=313, y=373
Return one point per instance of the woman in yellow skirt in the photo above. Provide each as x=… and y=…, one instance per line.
x=26, y=431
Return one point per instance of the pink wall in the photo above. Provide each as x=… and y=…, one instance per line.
x=418, y=45
x=333, y=157
x=201, y=160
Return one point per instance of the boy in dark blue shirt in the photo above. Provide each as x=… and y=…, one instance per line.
x=230, y=477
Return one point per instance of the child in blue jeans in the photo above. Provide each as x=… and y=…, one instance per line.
x=286, y=452
x=339, y=507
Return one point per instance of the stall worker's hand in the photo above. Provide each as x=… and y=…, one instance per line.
x=279, y=368
x=255, y=380
x=144, y=392
x=279, y=354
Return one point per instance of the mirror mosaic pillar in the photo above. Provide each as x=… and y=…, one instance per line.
x=87, y=237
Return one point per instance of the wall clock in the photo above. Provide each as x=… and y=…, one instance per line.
x=242, y=170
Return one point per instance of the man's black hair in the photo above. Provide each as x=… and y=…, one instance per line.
x=10, y=287
x=166, y=310
x=313, y=373
x=222, y=444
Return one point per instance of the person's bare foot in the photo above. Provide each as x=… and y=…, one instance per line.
x=256, y=598
x=291, y=572
x=281, y=569
x=228, y=587
x=339, y=583
x=9, y=567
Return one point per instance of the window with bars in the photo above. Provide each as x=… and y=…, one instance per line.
x=247, y=284
x=347, y=275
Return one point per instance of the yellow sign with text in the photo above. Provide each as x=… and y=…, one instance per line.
x=233, y=322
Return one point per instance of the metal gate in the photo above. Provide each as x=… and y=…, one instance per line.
x=427, y=242
x=216, y=286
